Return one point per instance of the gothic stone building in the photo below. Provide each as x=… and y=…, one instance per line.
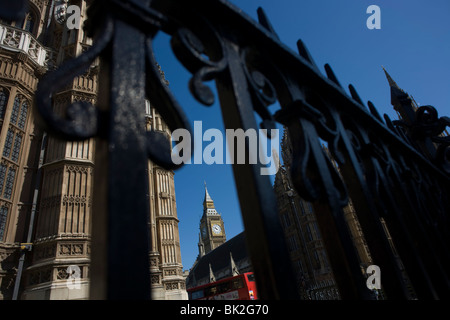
x=46, y=185
x=315, y=278
x=217, y=258
x=212, y=229
x=314, y=275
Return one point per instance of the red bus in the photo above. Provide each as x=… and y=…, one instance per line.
x=240, y=287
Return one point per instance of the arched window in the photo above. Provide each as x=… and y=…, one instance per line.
x=8, y=143
x=19, y=112
x=3, y=169
x=7, y=178
x=10, y=150
x=16, y=130
x=15, y=110
x=3, y=103
x=23, y=115
x=7, y=193
x=3, y=218
x=148, y=111
x=30, y=21
x=13, y=145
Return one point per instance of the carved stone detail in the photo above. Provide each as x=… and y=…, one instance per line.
x=155, y=279
x=44, y=251
x=71, y=249
x=171, y=285
x=40, y=276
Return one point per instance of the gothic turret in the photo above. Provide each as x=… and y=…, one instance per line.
x=212, y=231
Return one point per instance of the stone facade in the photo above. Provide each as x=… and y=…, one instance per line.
x=46, y=184
x=309, y=258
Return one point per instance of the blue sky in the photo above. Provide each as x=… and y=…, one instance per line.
x=413, y=44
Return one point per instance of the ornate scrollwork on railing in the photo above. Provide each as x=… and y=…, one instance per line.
x=82, y=120
x=341, y=148
x=427, y=126
x=118, y=120
x=190, y=50
x=262, y=90
x=304, y=159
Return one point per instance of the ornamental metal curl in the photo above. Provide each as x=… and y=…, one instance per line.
x=392, y=171
x=130, y=75
x=190, y=50
x=426, y=133
x=82, y=120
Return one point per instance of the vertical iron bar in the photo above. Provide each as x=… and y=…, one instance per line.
x=413, y=244
x=264, y=234
x=331, y=220
x=123, y=272
x=357, y=183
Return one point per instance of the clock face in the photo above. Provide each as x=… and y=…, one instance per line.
x=216, y=228
x=203, y=232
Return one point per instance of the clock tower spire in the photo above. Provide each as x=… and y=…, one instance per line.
x=212, y=231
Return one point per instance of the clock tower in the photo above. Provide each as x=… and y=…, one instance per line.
x=212, y=231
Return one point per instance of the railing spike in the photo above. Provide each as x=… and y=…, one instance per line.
x=331, y=75
x=264, y=21
x=304, y=52
x=389, y=122
x=374, y=111
x=355, y=95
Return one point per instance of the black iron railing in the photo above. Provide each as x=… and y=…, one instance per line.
x=383, y=166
